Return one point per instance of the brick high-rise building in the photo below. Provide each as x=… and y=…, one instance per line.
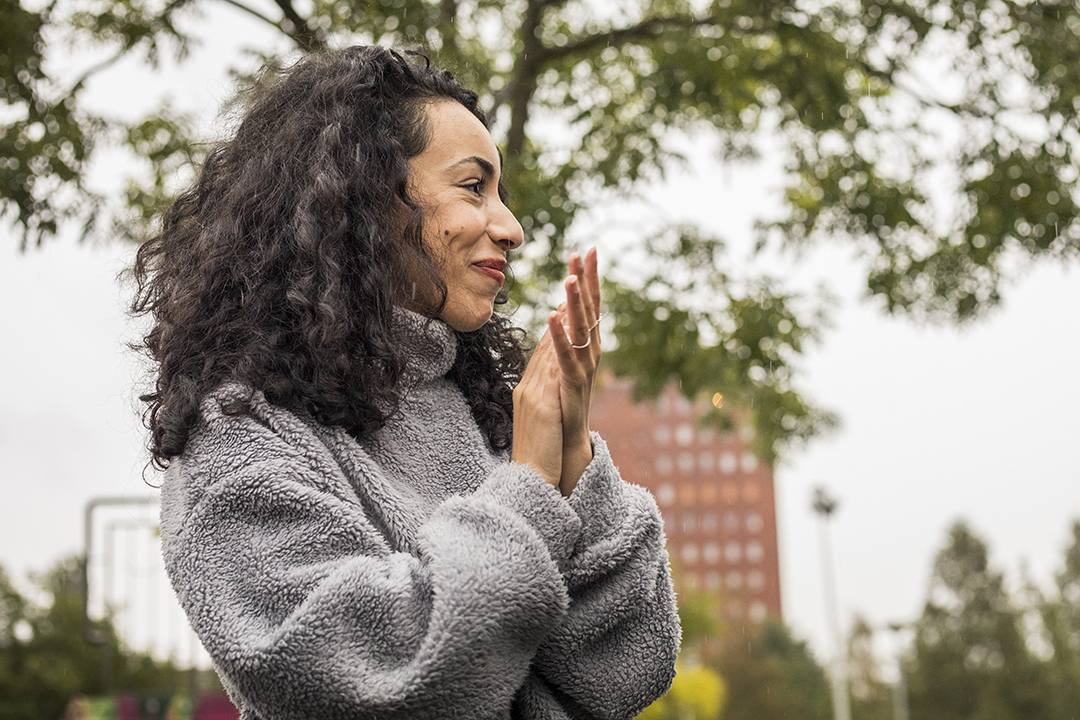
x=716, y=498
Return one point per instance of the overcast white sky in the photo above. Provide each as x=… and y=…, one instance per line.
x=938, y=423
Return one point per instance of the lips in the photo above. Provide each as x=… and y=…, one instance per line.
x=493, y=268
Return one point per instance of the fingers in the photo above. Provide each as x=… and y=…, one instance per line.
x=581, y=312
x=592, y=278
x=578, y=318
x=541, y=365
x=538, y=434
x=588, y=286
x=564, y=351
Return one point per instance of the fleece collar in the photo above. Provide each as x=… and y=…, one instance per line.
x=432, y=346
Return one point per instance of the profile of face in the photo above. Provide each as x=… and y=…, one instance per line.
x=467, y=228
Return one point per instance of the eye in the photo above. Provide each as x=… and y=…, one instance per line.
x=476, y=186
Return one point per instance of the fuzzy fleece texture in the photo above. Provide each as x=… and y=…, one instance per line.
x=414, y=575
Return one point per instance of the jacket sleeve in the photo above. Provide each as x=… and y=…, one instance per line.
x=307, y=612
x=614, y=651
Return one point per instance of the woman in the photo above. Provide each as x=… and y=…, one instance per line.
x=372, y=508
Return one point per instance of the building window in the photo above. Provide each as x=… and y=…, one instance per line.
x=663, y=465
x=708, y=493
x=682, y=405
x=711, y=553
x=708, y=522
x=729, y=492
x=692, y=581
x=690, y=553
x=662, y=435
x=706, y=461
x=731, y=521
x=689, y=522
x=665, y=494
x=733, y=552
x=754, y=522
x=751, y=492
x=684, y=434
x=687, y=494
x=758, y=611
x=749, y=462
x=746, y=433
x=755, y=580
x=754, y=551
x=733, y=580
x=728, y=462
x=686, y=462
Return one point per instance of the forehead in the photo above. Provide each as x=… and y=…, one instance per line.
x=455, y=134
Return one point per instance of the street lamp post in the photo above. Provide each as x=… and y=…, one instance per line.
x=900, y=693
x=825, y=506
x=93, y=635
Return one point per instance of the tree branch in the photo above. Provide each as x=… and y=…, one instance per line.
x=253, y=12
x=98, y=67
x=497, y=99
x=526, y=68
x=301, y=34
x=124, y=50
x=646, y=28
x=447, y=11
x=518, y=92
x=929, y=103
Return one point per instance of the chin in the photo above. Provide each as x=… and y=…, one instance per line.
x=467, y=322
x=472, y=326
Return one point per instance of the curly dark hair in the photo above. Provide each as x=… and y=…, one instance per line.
x=280, y=267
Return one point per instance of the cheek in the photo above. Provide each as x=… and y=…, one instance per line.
x=464, y=225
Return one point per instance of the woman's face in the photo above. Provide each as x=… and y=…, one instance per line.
x=467, y=228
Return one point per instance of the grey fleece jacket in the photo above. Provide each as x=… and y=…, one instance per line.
x=416, y=574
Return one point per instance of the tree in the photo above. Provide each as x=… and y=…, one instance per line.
x=45, y=659
x=1061, y=623
x=838, y=84
x=770, y=675
x=971, y=658
x=871, y=697
x=697, y=693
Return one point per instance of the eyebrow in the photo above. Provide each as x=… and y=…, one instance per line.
x=486, y=167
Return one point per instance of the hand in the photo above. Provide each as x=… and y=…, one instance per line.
x=577, y=348
x=538, y=432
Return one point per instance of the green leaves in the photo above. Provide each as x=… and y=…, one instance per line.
x=974, y=649
x=45, y=659
x=45, y=142
x=164, y=143
x=940, y=139
x=771, y=675
x=687, y=322
x=943, y=185
x=129, y=24
x=697, y=692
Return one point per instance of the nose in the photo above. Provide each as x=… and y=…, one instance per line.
x=504, y=229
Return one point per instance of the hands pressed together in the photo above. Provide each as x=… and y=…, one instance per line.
x=551, y=403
